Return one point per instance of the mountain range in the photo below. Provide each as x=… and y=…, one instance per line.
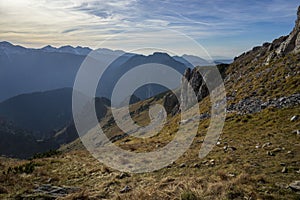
x=26, y=70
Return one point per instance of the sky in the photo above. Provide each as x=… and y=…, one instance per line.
x=218, y=28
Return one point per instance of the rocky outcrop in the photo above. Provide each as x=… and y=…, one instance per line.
x=171, y=104
x=194, y=78
x=278, y=48
x=286, y=44
x=197, y=86
x=292, y=42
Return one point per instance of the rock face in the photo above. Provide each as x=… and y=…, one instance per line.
x=194, y=78
x=286, y=44
x=292, y=42
x=171, y=104
x=278, y=48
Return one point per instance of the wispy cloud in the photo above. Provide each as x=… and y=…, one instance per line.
x=87, y=22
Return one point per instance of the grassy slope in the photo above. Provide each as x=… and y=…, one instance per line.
x=246, y=172
x=251, y=77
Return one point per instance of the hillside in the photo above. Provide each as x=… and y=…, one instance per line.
x=39, y=122
x=16, y=142
x=49, y=111
x=256, y=157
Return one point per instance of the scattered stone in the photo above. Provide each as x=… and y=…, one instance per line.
x=123, y=175
x=294, y=118
x=55, y=191
x=283, y=164
x=196, y=165
x=204, y=162
x=226, y=148
x=125, y=189
x=212, y=162
x=297, y=132
x=182, y=165
x=49, y=180
x=295, y=186
x=284, y=170
x=270, y=153
x=232, y=148
x=276, y=150
x=257, y=146
x=171, y=165
x=266, y=145
x=289, y=152
x=253, y=104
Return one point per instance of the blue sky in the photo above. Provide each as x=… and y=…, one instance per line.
x=224, y=28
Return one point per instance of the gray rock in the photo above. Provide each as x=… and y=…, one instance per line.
x=283, y=164
x=170, y=102
x=212, y=162
x=284, y=170
x=123, y=175
x=266, y=145
x=276, y=150
x=182, y=165
x=196, y=165
x=295, y=186
x=55, y=191
x=292, y=43
x=294, y=118
x=253, y=104
x=125, y=189
x=232, y=148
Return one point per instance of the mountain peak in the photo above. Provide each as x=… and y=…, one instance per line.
x=49, y=48
x=298, y=18
x=292, y=43
x=160, y=53
x=6, y=44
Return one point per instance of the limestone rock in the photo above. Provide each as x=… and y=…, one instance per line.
x=295, y=186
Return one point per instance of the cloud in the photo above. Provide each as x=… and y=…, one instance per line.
x=87, y=22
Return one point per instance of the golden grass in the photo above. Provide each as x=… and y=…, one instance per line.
x=247, y=172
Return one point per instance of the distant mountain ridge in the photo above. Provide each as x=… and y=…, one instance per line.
x=27, y=70
x=31, y=70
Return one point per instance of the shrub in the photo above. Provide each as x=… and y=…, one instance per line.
x=26, y=168
x=46, y=154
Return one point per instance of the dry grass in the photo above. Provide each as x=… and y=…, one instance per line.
x=246, y=173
